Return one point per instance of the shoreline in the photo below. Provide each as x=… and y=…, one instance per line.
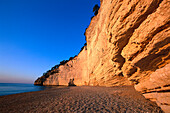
x=79, y=99
x=26, y=89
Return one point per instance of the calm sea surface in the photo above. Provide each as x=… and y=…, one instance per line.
x=14, y=88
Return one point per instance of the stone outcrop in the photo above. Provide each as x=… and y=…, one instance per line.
x=157, y=87
x=128, y=43
x=71, y=70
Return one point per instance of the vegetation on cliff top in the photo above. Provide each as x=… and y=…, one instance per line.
x=95, y=9
x=55, y=69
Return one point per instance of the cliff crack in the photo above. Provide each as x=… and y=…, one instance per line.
x=159, y=91
x=130, y=12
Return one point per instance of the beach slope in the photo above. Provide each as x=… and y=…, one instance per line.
x=118, y=99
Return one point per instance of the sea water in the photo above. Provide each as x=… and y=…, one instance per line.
x=14, y=88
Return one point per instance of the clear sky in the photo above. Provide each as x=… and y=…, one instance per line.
x=37, y=34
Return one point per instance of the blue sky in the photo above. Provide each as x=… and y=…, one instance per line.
x=37, y=34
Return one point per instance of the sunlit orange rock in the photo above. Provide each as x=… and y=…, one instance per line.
x=128, y=43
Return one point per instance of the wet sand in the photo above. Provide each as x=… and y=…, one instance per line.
x=79, y=99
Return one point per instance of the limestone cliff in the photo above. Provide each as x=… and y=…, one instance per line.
x=128, y=43
x=75, y=68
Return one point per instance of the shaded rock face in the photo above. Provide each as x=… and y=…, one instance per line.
x=128, y=43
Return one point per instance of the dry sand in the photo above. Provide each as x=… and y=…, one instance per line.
x=79, y=99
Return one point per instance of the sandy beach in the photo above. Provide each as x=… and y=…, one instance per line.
x=79, y=99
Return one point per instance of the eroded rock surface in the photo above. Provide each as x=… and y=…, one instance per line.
x=128, y=43
x=128, y=38
x=157, y=87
